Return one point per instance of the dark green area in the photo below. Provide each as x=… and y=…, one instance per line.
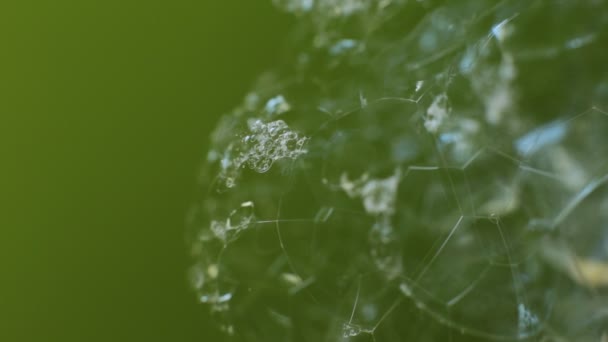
x=105, y=110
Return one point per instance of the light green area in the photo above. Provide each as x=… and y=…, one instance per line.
x=105, y=109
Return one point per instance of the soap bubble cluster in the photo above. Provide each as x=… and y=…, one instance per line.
x=415, y=171
x=261, y=146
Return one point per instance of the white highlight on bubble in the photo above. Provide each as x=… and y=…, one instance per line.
x=378, y=195
x=502, y=30
x=343, y=46
x=579, y=42
x=277, y=105
x=526, y=319
x=535, y=140
x=436, y=113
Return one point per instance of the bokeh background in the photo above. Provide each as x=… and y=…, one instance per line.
x=105, y=110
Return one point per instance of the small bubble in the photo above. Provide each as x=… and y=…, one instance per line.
x=369, y=312
x=212, y=271
x=251, y=101
x=197, y=277
x=350, y=330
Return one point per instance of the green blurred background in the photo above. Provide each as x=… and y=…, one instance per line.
x=105, y=110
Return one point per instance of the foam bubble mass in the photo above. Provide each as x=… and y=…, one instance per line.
x=414, y=171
